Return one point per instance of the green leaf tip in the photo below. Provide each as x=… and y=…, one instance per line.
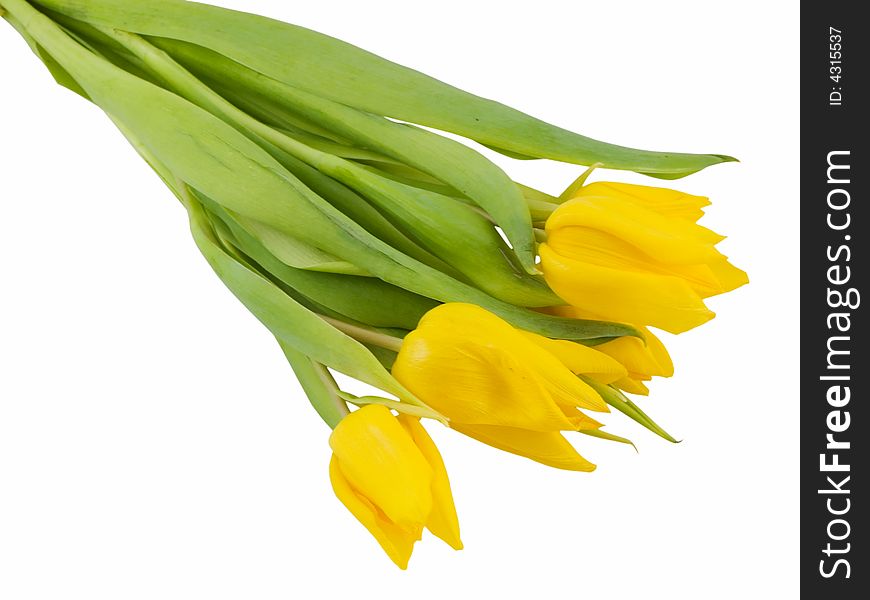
x=606, y=435
x=697, y=163
x=616, y=399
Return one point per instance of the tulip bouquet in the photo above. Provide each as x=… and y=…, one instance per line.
x=376, y=248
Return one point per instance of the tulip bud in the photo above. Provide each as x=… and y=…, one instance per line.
x=508, y=388
x=388, y=473
x=643, y=358
x=634, y=254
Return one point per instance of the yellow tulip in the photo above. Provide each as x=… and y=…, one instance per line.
x=388, y=473
x=642, y=359
x=635, y=254
x=508, y=388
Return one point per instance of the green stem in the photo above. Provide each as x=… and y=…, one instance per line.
x=402, y=407
x=540, y=210
x=364, y=334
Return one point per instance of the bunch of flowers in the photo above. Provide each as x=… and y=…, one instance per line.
x=376, y=248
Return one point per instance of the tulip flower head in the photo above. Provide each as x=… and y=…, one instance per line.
x=388, y=473
x=505, y=387
x=635, y=254
x=643, y=359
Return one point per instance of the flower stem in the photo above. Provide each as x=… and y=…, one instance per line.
x=365, y=334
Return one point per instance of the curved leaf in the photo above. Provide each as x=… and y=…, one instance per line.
x=342, y=72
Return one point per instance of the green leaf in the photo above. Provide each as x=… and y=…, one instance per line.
x=451, y=230
x=344, y=73
x=319, y=386
x=293, y=324
x=61, y=76
x=606, y=435
x=617, y=400
x=385, y=356
x=457, y=165
x=364, y=299
x=357, y=208
x=286, y=150
x=457, y=234
x=297, y=253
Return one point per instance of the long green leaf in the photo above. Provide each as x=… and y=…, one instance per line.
x=61, y=76
x=290, y=250
x=356, y=207
x=339, y=71
x=297, y=253
x=459, y=235
x=365, y=299
x=319, y=386
x=291, y=323
x=471, y=173
x=459, y=166
x=453, y=231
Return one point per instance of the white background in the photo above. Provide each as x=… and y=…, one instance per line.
x=154, y=443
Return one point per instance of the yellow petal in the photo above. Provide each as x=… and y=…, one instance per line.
x=581, y=395
x=643, y=298
x=547, y=448
x=728, y=276
x=641, y=360
x=582, y=359
x=382, y=463
x=397, y=542
x=659, y=353
x=626, y=236
x=636, y=355
x=633, y=353
x=442, y=521
x=472, y=382
x=488, y=329
x=667, y=240
x=605, y=250
x=584, y=422
x=654, y=346
x=632, y=386
x=668, y=202
x=475, y=368
x=565, y=388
